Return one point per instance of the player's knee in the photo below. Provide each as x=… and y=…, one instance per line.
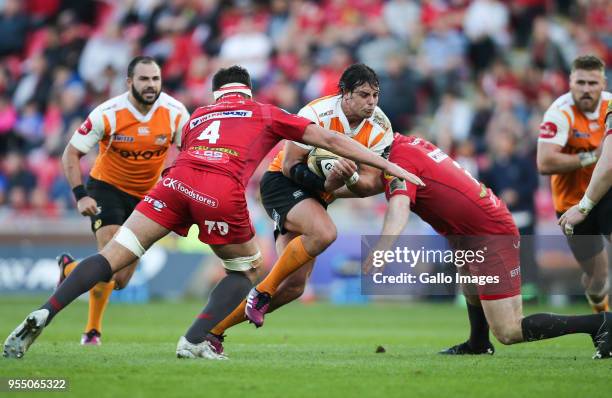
x=324, y=236
x=507, y=333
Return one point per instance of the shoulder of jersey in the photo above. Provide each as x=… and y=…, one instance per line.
x=324, y=106
x=606, y=96
x=380, y=119
x=564, y=102
x=171, y=102
x=113, y=104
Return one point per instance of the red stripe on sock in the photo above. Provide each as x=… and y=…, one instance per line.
x=56, y=305
x=204, y=315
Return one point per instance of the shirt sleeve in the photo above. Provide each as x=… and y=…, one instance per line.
x=555, y=127
x=309, y=113
x=288, y=125
x=89, y=133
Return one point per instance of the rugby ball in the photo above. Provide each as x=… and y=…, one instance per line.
x=321, y=162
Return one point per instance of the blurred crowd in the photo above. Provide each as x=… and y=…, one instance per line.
x=474, y=76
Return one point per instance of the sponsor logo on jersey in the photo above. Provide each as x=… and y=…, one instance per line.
x=138, y=155
x=85, y=127
x=218, y=115
x=298, y=194
x=143, y=130
x=515, y=272
x=548, y=130
x=122, y=138
x=211, y=156
x=161, y=139
x=380, y=119
x=328, y=113
x=594, y=126
x=188, y=191
x=581, y=134
x=158, y=205
x=229, y=151
x=437, y=155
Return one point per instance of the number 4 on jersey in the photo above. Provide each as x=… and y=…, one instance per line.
x=211, y=133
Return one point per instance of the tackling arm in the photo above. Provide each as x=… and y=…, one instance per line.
x=351, y=149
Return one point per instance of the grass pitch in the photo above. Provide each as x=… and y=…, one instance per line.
x=314, y=350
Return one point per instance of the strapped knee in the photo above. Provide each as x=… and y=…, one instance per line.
x=243, y=263
x=126, y=238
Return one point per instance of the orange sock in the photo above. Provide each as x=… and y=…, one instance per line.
x=236, y=317
x=293, y=257
x=70, y=267
x=98, y=299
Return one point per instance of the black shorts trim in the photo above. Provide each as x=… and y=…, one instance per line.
x=115, y=205
x=279, y=195
x=587, y=240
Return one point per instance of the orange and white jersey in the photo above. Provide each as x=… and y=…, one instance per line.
x=565, y=125
x=374, y=132
x=133, y=146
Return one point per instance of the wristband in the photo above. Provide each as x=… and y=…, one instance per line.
x=79, y=192
x=585, y=205
x=352, y=180
x=587, y=158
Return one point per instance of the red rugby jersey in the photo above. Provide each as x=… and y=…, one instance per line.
x=233, y=135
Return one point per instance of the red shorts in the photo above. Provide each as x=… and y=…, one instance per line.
x=496, y=271
x=214, y=202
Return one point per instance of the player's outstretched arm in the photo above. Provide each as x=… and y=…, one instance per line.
x=346, y=147
x=396, y=219
x=71, y=158
x=600, y=184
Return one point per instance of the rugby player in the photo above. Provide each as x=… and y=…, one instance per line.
x=568, y=148
x=599, y=186
x=222, y=144
x=296, y=199
x=134, y=132
x=476, y=220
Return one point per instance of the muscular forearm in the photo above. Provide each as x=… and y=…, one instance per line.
x=342, y=146
x=559, y=163
x=366, y=186
x=72, y=168
x=396, y=217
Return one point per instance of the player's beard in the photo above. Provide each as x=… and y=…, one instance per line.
x=586, y=106
x=141, y=99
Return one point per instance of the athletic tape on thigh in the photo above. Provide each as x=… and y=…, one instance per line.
x=126, y=238
x=243, y=263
